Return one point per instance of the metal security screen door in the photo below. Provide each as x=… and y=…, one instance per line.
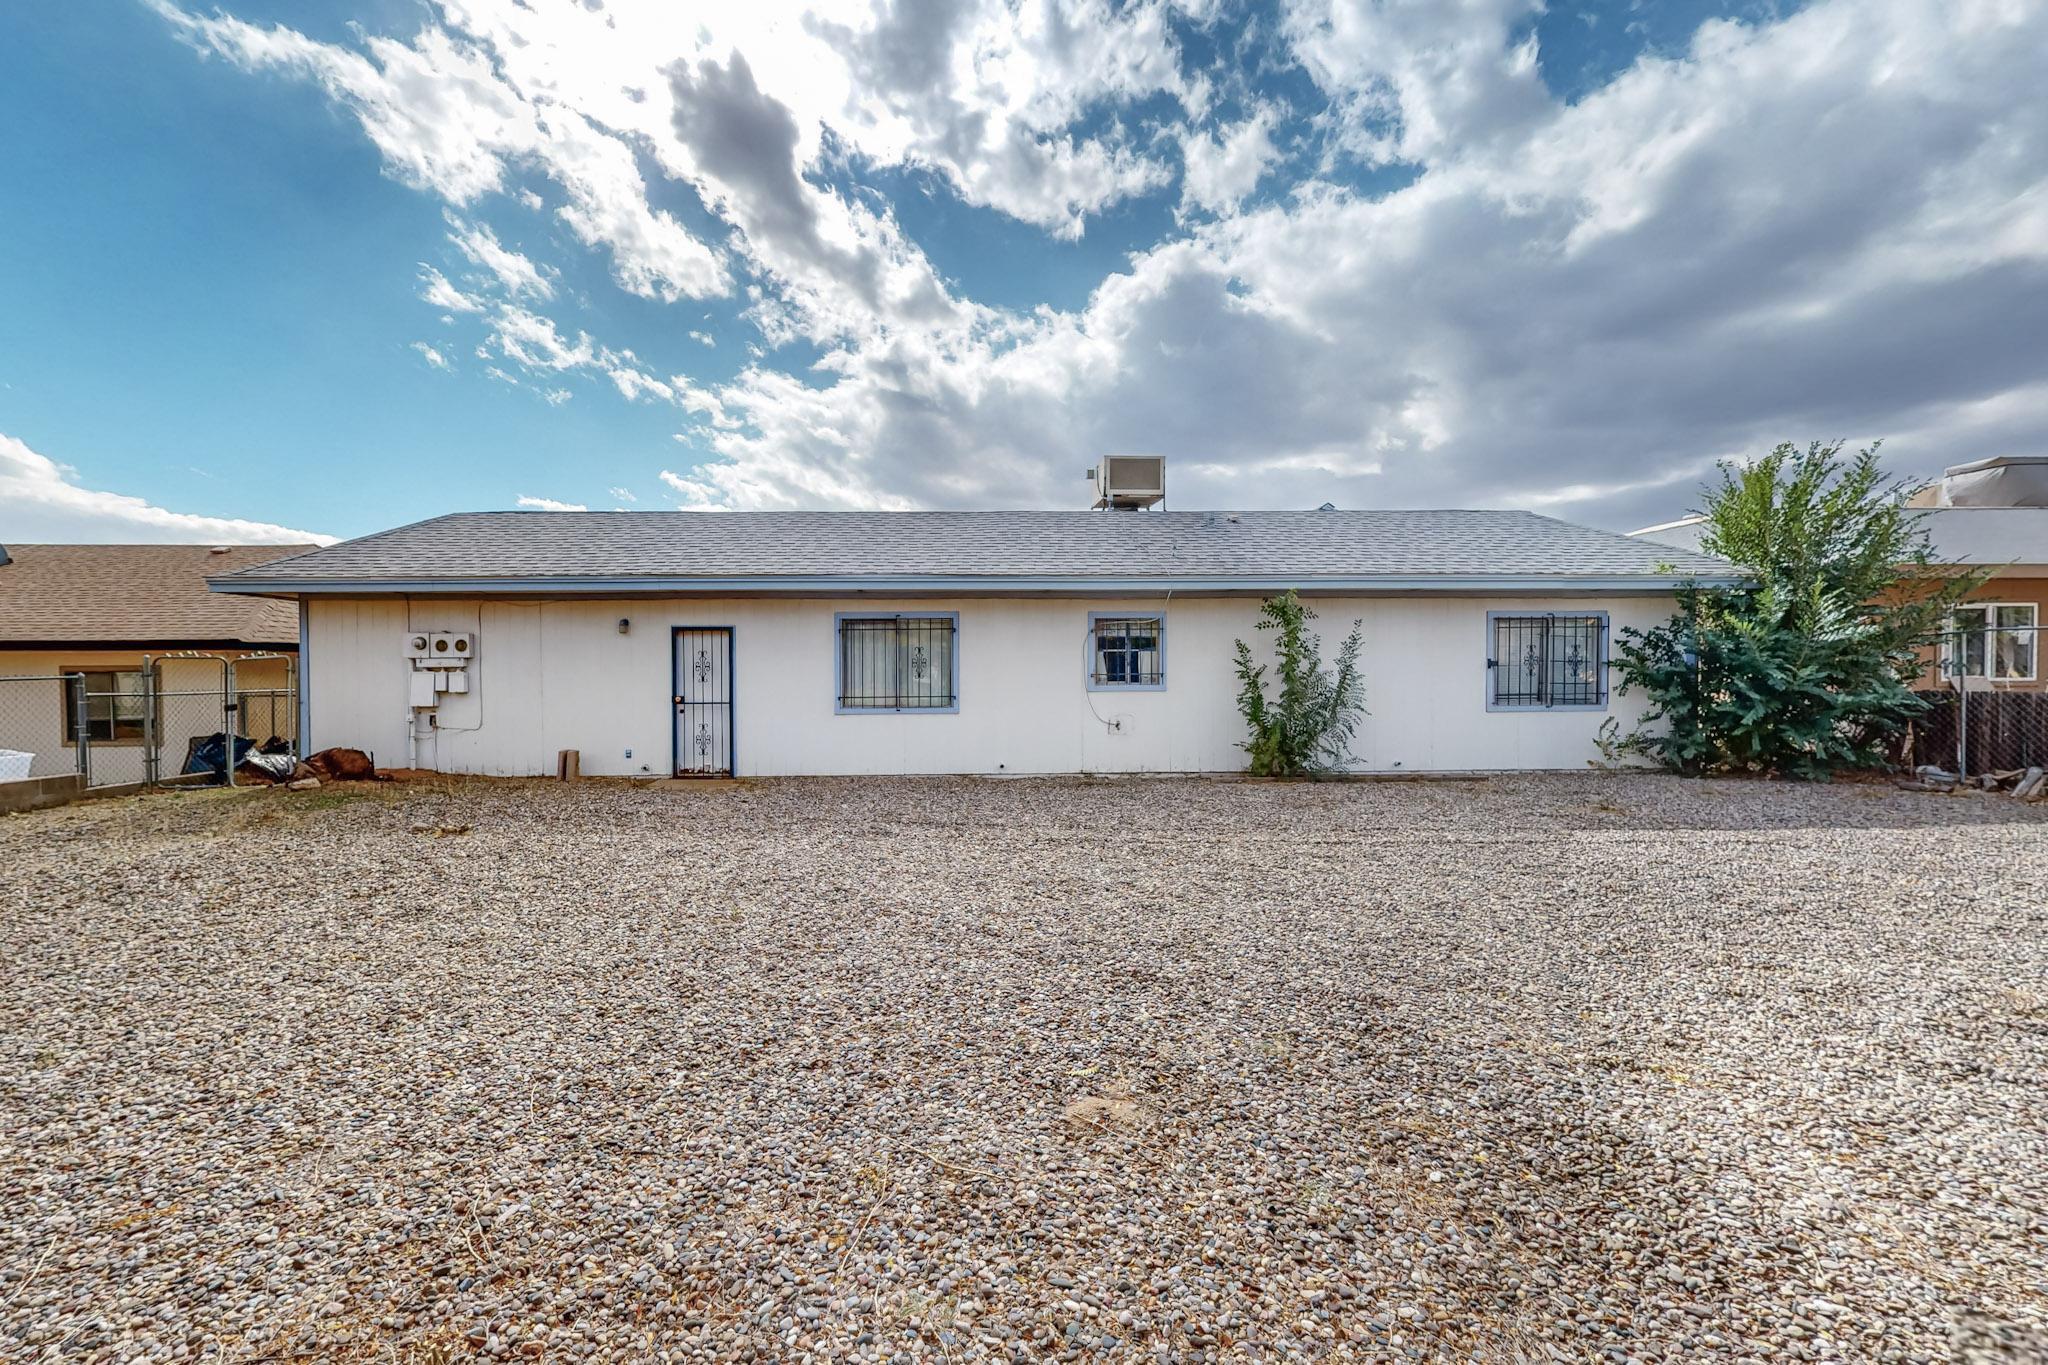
x=703, y=699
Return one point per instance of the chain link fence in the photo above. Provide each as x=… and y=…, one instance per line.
x=38, y=724
x=1989, y=713
x=156, y=721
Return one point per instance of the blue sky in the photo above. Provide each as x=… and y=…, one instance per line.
x=283, y=268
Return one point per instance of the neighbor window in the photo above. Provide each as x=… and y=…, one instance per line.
x=113, y=706
x=1547, y=660
x=1127, y=651
x=1992, y=640
x=897, y=663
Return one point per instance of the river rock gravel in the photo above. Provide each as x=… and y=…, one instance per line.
x=1599, y=1067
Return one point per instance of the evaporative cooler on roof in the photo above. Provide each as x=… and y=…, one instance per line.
x=1129, y=481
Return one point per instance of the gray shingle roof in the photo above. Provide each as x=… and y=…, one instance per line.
x=503, y=549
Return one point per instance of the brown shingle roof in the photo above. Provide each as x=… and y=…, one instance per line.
x=137, y=595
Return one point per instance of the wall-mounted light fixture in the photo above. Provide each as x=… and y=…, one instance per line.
x=624, y=625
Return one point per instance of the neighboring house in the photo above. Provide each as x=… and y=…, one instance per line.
x=1990, y=514
x=96, y=613
x=776, y=643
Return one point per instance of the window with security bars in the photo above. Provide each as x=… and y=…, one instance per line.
x=1547, y=660
x=113, y=708
x=1130, y=651
x=897, y=663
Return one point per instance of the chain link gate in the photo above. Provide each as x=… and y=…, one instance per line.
x=174, y=716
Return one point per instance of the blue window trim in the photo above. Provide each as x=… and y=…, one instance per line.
x=839, y=663
x=1088, y=652
x=1524, y=709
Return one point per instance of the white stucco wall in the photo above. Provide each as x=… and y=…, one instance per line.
x=558, y=675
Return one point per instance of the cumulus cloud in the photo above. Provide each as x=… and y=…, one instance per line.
x=1578, y=307
x=446, y=118
x=430, y=355
x=652, y=254
x=1222, y=167
x=41, y=500
x=843, y=269
x=1414, y=80
x=549, y=504
x=990, y=96
x=434, y=107
x=1829, y=224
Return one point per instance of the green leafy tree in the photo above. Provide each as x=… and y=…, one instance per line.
x=1308, y=728
x=1806, y=670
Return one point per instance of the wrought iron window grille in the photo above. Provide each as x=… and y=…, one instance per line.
x=1542, y=661
x=897, y=663
x=1129, y=651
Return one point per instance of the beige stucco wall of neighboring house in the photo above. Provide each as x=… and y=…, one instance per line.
x=32, y=711
x=553, y=675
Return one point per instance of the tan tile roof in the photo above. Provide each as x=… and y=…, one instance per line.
x=137, y=594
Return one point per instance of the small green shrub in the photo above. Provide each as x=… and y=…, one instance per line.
x=1307, y=729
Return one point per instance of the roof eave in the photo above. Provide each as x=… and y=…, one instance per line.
x=906, y=584
x=180, y=643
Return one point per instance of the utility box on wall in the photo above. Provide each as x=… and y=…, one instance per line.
x=440, y=665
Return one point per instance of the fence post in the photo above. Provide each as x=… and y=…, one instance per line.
x=1962, y=729
x=227, y=718
x=81, y=727
x=151, y=759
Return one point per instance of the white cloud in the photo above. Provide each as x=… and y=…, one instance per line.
x=435, y=109
x=550, y=504
x=537, y=345
x=622, y=495
x=1579, y=302
x=1412, y=80
x=1223, y=167
x=41, y=500
x=446, y=118
x=514, y=272
x=435, y=289
x=430, y=355
x=988, y=93
x=1569, y=304
x=533, y=341
x=695, y=494
x=556, y=397
x=652, y=254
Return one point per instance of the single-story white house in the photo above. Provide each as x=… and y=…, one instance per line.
x=784, y=643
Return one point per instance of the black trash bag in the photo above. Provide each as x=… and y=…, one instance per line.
x=207, y=752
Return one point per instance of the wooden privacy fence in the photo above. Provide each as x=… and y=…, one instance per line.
x=1981, y=732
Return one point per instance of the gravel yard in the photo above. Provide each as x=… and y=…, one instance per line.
x=1592, y=1067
